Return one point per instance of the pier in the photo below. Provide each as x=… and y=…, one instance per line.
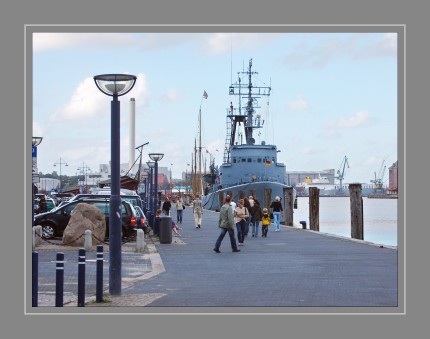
x=293, y=270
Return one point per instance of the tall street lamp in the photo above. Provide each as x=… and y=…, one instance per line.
x=35, y=142
x=115, y=85
x=61, y=163
x=156, y=157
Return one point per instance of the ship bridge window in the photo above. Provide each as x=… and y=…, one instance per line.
x=234, y=160
x=259, y=160
x=249, y=160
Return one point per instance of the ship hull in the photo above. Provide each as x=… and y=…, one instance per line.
x=264, y=191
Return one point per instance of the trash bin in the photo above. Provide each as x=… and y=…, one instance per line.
x=165, y=229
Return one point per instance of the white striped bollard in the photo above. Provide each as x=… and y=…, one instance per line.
x=99, y=274
x=81, y=278
x=59, y=280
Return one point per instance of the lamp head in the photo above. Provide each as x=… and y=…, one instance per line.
x=150, y=164
x=36, y=141
x=115, y=84
x=156, y=156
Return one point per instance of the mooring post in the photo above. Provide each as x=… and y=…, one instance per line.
x=34, y=278
x=356, y=202
x=314, y=208
x=99, y=274
x=59, y=280
x=81, y=278
x=288, y=205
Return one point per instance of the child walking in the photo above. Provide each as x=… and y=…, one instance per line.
x=265, y=222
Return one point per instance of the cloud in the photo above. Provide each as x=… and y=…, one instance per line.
x=171, y=95
x=353, y=46
x=298, y=104
x=49, y=41
x=218, y=43
x=87, y=102
x=359, y=119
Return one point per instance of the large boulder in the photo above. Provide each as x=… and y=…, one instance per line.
x=85, y=217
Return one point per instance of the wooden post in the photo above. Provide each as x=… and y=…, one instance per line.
x=267, y=198
x=356, y=202
x=314, y=207
x=288, y=205
x=220, y=199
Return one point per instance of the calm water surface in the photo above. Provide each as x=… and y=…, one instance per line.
x=380, y=218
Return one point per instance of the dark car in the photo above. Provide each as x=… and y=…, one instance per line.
x=54, y=222
x=142, y=220
x=60, y=197
x=135, y=200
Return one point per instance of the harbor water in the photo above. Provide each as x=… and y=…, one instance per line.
x=379, y=218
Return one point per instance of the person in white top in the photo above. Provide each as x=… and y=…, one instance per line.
x=240, y=217
x=197, y=211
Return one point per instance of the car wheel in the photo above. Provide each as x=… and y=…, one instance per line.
x=48, y=231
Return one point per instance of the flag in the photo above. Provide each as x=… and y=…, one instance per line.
x=205, y=95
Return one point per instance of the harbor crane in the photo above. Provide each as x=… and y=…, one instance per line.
x=340, y=176
x=379, y=179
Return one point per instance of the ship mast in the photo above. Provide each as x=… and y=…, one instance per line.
x=254, y=93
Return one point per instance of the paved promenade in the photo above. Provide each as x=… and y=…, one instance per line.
x=290, y=268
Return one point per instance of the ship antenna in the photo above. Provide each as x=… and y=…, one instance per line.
x=231, y=58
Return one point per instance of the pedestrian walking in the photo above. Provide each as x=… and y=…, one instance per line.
x=265, y=222
x=167, y=205
x=240, y=216
x=256, y=215
x=247, y=205
x=180, y=206
x=276, y=209
x=226, y=223
x=197, y=211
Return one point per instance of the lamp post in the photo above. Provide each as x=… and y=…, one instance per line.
x=84, y=171
x=151, y=166
x=60, y=163
x=156, y=157
x=115, y=85
x=35, y=142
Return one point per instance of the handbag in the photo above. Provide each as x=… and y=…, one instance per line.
x=271, y=215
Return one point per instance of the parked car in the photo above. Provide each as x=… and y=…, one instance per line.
x=55, y=221
x=143, y=221
x=61, y=197
x=135, y=200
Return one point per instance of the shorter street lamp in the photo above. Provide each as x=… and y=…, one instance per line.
x=35, y=142
x=156, y=157
x=115, y=85
x=151, y=166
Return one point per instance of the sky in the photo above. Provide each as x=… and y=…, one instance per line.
x=332, y=95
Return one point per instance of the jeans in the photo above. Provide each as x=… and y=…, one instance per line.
x=221, y=237
x=248, y=222
x=179, y=216
x=276, y=219
x=241, y=227
x=255, y=227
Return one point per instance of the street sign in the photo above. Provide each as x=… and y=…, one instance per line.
x=34, y=157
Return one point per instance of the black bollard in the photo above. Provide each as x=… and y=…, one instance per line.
x=81, y=278
x=99, y=274
x=59, y=280
x=34, y=278
x=303, y=223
